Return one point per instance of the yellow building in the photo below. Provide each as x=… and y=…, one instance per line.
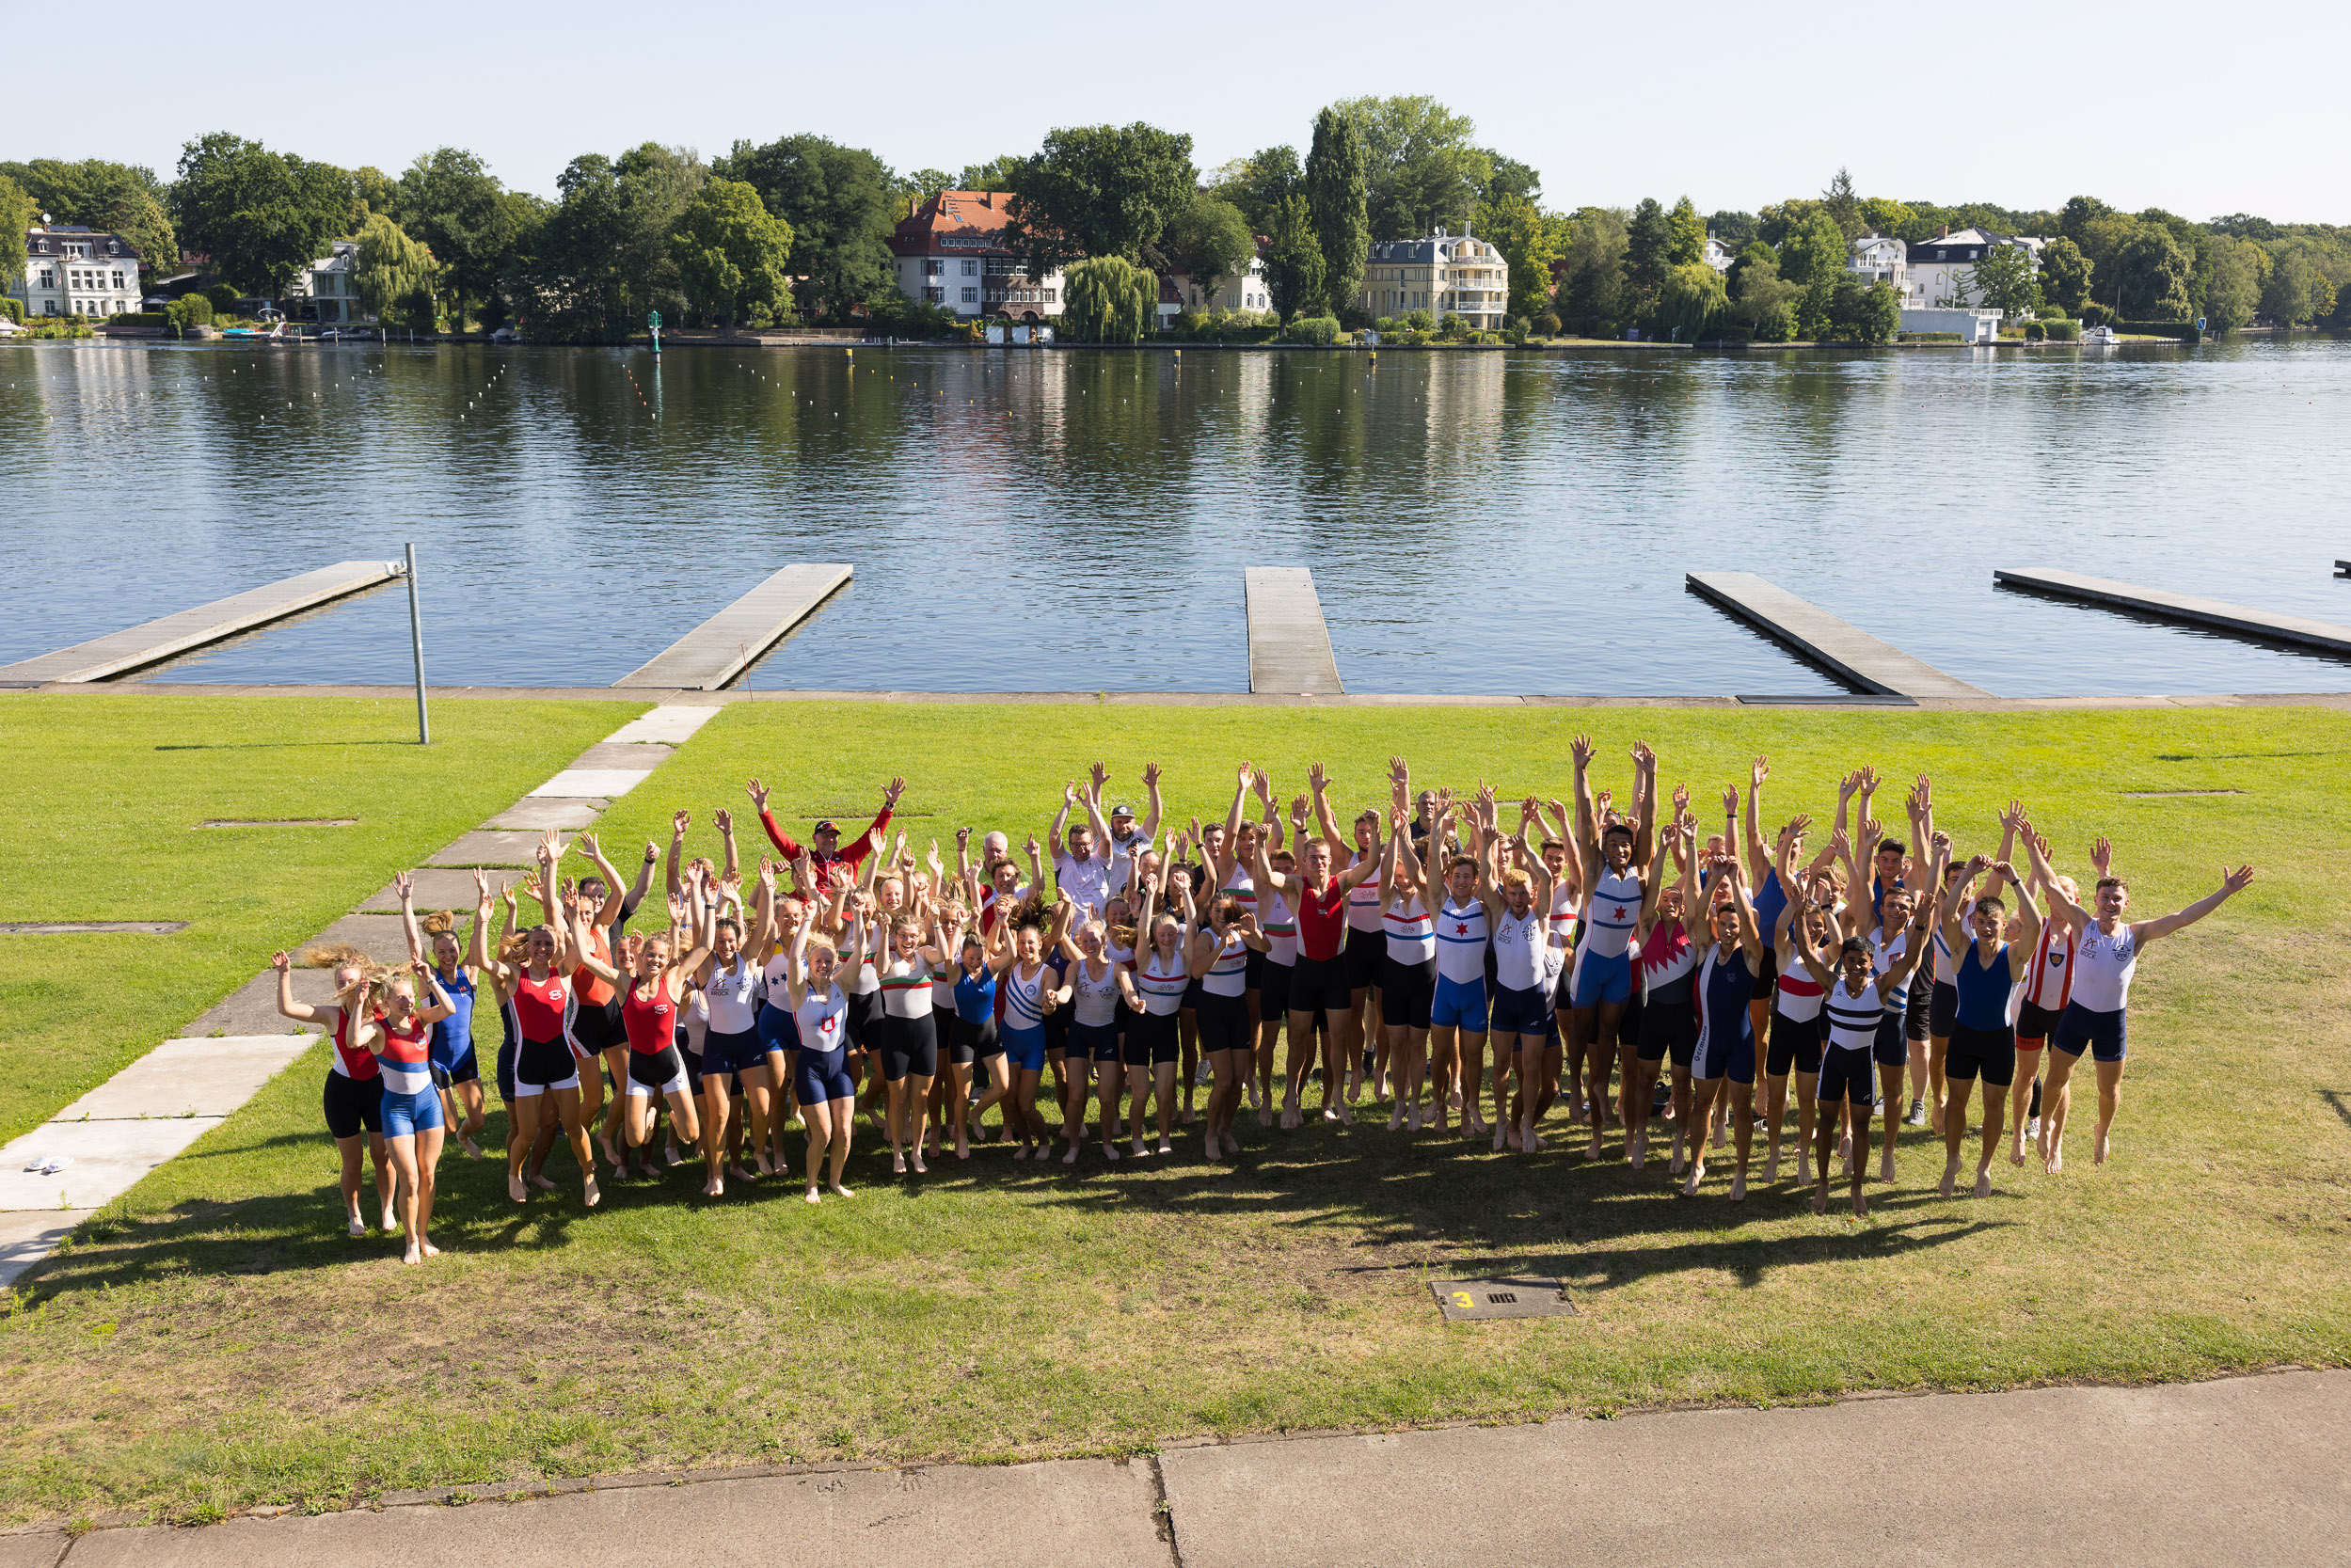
x=1445, y=274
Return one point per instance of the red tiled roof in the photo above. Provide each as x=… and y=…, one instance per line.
x=968, y=223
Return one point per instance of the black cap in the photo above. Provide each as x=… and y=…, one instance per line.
x=823, y=828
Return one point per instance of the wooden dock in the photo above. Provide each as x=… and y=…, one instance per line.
x=2260, y=625
x=1289, y=646
x=723, y=647
x=134, y=647
x=1844, y=650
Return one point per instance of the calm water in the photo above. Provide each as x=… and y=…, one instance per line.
x=1025, y=520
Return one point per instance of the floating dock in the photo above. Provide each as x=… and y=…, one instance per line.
x=1289, y=646
x=723, y=647
x=1812, y=633
x=134, y=647
x=2260, y=625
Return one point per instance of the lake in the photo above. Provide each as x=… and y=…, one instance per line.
x=1028, y=519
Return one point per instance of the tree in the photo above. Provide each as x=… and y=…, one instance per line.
x=2291, y=296
x=997, y=174
x=1509, y=177
x=1294, y=261
x=1208, y=241
x=731, y=254
x=1842, y=204
x=393, y=276
x=924, y=183
x=1592, y=284
x=1881, y=313
x=1692, y=298
x=1530, y=242
x=840, y=203
x=1733, y=229
x=2065, y=275
x=1257, y=183
x=1814, y=251
x=17, y=213
x=263, y=216
x=374, y=191
x=449, y=199
x=1098, y=190
x=1420, y=170
x=116, y=198
x=1761, y=297
x=603, y=256
x=2232, y=292
x=2151, y=276
x=1648, y=254
x=2004, y=280
x=1338, y=202
x=1688, y=234
x=1108, y=299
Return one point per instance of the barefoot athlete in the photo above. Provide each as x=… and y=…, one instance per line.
x=1320, y=982
x=2105, y=956
x=537, y=983
x=456, y=1070
x=354, y=1096
x=1728, y=956
x=651, y=988
x=1859, y=1002
x=1982, y=1042
x=1614, y=857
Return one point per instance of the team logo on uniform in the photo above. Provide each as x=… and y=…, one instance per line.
x=2056, y=960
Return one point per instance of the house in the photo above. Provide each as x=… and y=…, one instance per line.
x=1445, y=274
x=950, y=251
x=327, y=285
x=1719, y=255
x=74, y=271
x=1880, y=258
x=1973, y=324
x=1245, y=290
x=1941, y=270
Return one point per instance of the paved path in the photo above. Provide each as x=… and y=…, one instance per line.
x=2246, y=1470
x=157, y=1106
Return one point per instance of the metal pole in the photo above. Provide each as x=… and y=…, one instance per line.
x=416, y=642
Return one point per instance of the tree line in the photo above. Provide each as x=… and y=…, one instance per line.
x=798, y=228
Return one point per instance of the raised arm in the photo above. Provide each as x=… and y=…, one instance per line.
x=1585, y=840
x=1759, y=861
x=2062, y=909
x=1644, y=808
x=680, y=821
x=1318, y=782
x=2028, y=914
x=1157, y=808
x=301, y=1012
x=1946, y=919
x=477, y=948
x=1070, y=793
x=404, y=884
x=2232, y=883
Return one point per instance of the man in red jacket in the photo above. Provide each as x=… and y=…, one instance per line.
x=825, y=846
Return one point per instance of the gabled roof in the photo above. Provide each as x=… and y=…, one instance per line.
x=970, y=223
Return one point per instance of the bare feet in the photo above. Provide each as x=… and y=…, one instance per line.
x=1071, y=1158
x=839, y=1191
x=1772, y=1168
x=541, y=1183
x=2100, y=1150
x=1886, y=1166
x=589, y=1190
x=1266, y=1117
x=1395, y=1119
x=1503, y=1134
x=1983, y=1183
x=2054, y=1161
x=811, y=1195
x=473, y=1150
x=430, y=1251
x=1167, y=1147
x=412, y=1255
x=1820, y=1198
x=920, y=1169
x=1950, y=1174
x=1739, y=1187
x=1697, y=1174
x=516, y=1188
x=714, y=1188
x=738, y=1173
x=391, y=1221
x=898, y=1163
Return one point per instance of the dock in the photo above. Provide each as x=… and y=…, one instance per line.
x=2260, y=625
x=1811, y=633
x=136, y=647
x=723, y=647
x=1289, y=646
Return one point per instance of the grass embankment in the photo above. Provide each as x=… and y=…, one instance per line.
x=107, y=792
x=217, y=1341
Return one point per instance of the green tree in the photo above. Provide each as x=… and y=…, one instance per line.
x=924, y=183
x=731, y=254
x=840, y=203
x=1843, y=205
x=394, y=276
x=18, y=213
x=2004, y=280
x=2295, y=292
x=263, y=216
x=1815, y=308
x=375, y=191
x=2065, y=275
x=997, y=174
x=1733, y=229
x=1421, y=169
x=2232, y=292
x=1688, y=231
x=117, y=199
x=1814, y=250
x=1761, y=297
x=1338, y=200
x=1879, y=315
x=1294, y=261
x=1208, y=241
x=1530, y=240
x=449, y=200
x=603, y=257
x=1108, y=299
x=2151, y=275
x=1099, y=190
x=1649, y=241
x=1257, y=183
x=1509, y=177
x=1691, y=299
x=1592, y=286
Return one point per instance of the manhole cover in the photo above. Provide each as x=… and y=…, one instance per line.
x=1476, y=1300
x=282, y=822
x=2173, y=794
x=84, y=928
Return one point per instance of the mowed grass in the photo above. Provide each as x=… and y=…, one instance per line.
x=214, y=1341
x=106, y=792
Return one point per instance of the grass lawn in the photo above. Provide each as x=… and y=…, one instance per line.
x=109, y=791
x=214, y=1341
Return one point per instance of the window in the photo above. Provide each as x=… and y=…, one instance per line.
x=934, y=268
x=934, y=296
x=118, y=281
x=971, y=297
x=48, y=278
x=1049, y=296
x=50, y=306
x=971, y=269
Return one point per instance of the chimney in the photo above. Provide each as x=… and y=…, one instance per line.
x=1946, y=231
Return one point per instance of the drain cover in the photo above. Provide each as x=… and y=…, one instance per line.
x=84, y=928
x=1525, y=1297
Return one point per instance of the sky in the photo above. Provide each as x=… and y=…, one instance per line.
x=1733, y=106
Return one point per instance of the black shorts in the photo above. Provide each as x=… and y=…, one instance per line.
x=2035, y=1023
x=1943, y=1009
x=1894, y=1042
x=1629, y=1022
x=1915, y=1012
x=859, y=1022
x=1991, y=1053
x=909, y=1048
x=1405, y=990
x=467, y=1068
x=353, y=1105
x=1057, y=1028
x=1844, y=1075
x=597, y=1025
x=1794, y=1043
x=506, y=1068
x=1272, y=989
x=971, y=1041
x=659, y=1071
x=1253, y=971
x=1319, y=985
x=1668, y=1027
x=1769, y=981
x=1149, y=1039
x=1193, y=992
x=1224, y=1024
x=1364, y=955
x=545, y=1062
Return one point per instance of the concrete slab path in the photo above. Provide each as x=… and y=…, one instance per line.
x=157, y=1106
x=1289, y=644
x=2245, y=1470
x=724, y=646
x=1837, y=646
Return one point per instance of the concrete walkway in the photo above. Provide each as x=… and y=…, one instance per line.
x=2247, y=1471
x=105, y=1143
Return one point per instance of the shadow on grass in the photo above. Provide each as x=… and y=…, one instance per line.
x=2341, y=1101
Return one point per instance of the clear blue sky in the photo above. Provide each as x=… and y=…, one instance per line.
x=1735, y=105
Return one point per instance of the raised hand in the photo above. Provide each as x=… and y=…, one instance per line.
x=2005, y=869
x=1976, y=864
x=766, y=875
x=1840, y=843
x=1681, y=798
x=1868, y=782
x=1246, y=772
x=680, y=821
x=506, y=892
x=1316, y=779
x=403, y=883
x=1757, y=771
x=891, y=791
x=1641, y=755
x=2102, y=856
x=1583, y=751
x=1070, y=793
x=2236, y=881
x=677, y=913
x=281, y=961
x=1941, y=840
x=2013, y=818
x=1297, y=812
x=1150, y=775
x=723, y=820
x=1033, y=845
x=1799, y=823
x=587, y=846
x=758, y=793
x=481, y=884
x=963, y=838
x=1847, y=786
x=1101, y=776
x=1730, y=801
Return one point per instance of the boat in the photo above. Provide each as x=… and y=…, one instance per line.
x=2099, y=337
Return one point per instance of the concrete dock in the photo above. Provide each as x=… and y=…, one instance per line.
x=134, y=647
x=2263, y=626
x=720, y=649
x=1289, y=646
x=1813, y=634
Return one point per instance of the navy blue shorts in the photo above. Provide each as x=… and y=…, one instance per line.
x=819, y=1076
x=1845, y=1074
x=737, y=1052
x=1668, y=1028
x=1523, y=1012
x=2106, y=1035
x=778, y=1029
x=1726, y=1053
x=1094, y=1042
x=1894, y=1042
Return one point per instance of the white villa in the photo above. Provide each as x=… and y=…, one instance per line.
x=1445, y=274
x=1881, y=258
x=327, y=284
x=74, y=271
x=1941, y=270
x=951, y=250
